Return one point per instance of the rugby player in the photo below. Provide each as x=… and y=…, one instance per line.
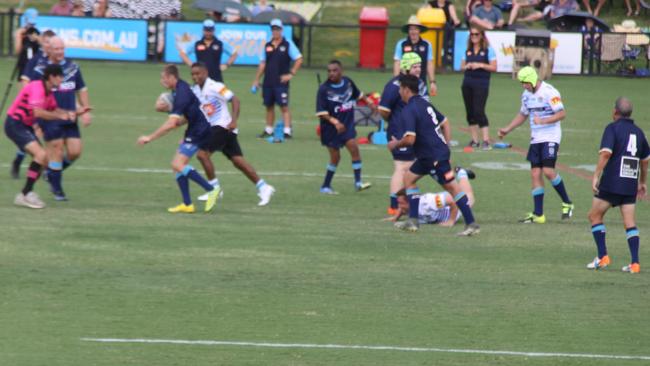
x=214, y=97
x=621, y=175
x=186, y=109
x=335, y=103
x=390, y=107
x=542, y=105
x=35, y=100
x=275, y=64
x=63, y=138
x=428, y=131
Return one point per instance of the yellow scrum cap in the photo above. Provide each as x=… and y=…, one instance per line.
x=528, y=75
x=408, y=60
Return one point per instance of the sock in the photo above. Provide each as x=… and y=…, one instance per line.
x=33, y=172
x=214, y=182
x=463, y=205
x=184, y=185
x=413, y=194
x=632, y=234
x=67, y=163
x=54, y=175
x=287, y=130
x=268, y=130
x=260, y=183
x=20, y=155
x=558, y=184
x=329, y=174
x=599, y=231
x=538, y=199
x=356, y=166
x=393, y=200
x=192, y=174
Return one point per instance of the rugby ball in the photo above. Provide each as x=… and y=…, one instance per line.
x=166, y=98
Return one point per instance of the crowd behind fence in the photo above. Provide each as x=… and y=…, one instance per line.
x=609, y=53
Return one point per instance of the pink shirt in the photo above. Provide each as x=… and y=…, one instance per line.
x=57, y=9
x=31, y=96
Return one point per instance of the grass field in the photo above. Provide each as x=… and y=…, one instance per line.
x=311, y=269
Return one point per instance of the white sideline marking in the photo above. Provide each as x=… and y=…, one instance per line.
x=372, y=348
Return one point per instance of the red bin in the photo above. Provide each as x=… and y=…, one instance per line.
x=372, y=39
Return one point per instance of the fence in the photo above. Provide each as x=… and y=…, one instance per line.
x=602, y=53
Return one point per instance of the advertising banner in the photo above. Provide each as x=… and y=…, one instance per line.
x=567, y=47
x=99, y=38
x=247, y=39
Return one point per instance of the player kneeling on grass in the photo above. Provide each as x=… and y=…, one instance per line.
x=542, y=105
x=428, y=131
x=197, y=135
x=335, y=103
x=214, y=98
x=438, y=208
x=35, y=100
x=621, y=174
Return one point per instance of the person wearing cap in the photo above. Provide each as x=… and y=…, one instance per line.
x=390, y=108
x=478, y=61
x=542, y=105
x=414, y=43
x=209, y=51
x=487, y=16
x=275, y=64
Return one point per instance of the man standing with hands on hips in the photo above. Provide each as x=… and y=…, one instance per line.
x=208, y=51
x=276, y=66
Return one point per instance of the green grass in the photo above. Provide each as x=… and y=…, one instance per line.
x=308, y=268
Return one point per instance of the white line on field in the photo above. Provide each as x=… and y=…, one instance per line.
x=357, y=347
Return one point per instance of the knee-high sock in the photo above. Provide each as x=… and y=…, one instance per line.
x=184, y=186
x=54, y=169
x=463, y=205
x=633, y=242
x=33, y=173
x=558, y=184
x=599, y=231
x=192, y=174
x=329, y=175
x=393, y=200
x=356, y=166
x=538, y=200
x=413, y=195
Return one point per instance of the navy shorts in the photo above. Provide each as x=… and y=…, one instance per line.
x=224, y=140
x=439, y=170
x=543, y=154
x=276, y=95
x=19, y=133
x=330, y=138
x=55, y=130
x=616, y=199
x=190, y=146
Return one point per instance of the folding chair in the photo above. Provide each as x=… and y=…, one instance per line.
x=611, y=50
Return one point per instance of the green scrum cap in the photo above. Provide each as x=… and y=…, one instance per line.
x=528, y=75
x=408, y=60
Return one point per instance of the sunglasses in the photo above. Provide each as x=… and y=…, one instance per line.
x=475, y=34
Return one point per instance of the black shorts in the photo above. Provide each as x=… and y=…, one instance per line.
x=615, y=199
x=439, y=170
x=224, y=140
x=276, y=95
x=55, y=130
x=19, y=133
x=543, y=154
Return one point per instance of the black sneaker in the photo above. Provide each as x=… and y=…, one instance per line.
x=288, y=136
x=473, y=144
x=264, y=135
x=470, y=173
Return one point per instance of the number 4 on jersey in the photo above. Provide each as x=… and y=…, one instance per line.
x=631, y=144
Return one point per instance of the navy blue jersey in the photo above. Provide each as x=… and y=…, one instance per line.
x=392, y=102
x=423, y=121
x=628, y=145
x=65, y=94
x=187, y=105
x=39, y=57
x=338, y=100
x=278, y=61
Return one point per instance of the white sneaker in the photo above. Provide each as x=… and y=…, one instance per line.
x=265, y=194
x=204, y=197
x=30, y=200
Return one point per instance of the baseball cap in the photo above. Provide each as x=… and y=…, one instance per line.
x=528, y=75
x=276, y=23
x=29, y=16
x=208, y=25
x=408, y=60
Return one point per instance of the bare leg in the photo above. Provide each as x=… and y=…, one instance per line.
x=244, y=166
x=203, y=157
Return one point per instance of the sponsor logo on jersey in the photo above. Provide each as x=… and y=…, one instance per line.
x=408, y=49
x=215, y=47
x=200, y=47
x=283, y=48
x=556, y=101
x=269, y=48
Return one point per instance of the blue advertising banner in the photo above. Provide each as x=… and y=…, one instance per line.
x=104, y=39
x=247, y=39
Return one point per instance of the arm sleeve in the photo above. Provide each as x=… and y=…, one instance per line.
x=429, y=52
x=555, y=100
x=497, y=13
x=263, y=55
x=523, y=110
x=608, y=140
x=50, y=104
x=79, y=81
x=228, y=50
x=491, y=54
x=28, y=67
x=356, y=93
x=294, y=52
x=439, y=116
x=226, y=93
x=181, y=101
x=388, y=98
x=645, y=150
x=321, y=102
x=408, y=118
x=398, y=50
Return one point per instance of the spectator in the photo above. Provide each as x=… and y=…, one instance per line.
x=78, y=9
x=538, y=6
x=629, y=7
x=101, y=10
x=63, y=7
x=487, y=16
x=591, y=37
x=469, y=9
x=208, y=50
x=415, y=43
x=562, y=7
x=449, y=9
x=260, y=7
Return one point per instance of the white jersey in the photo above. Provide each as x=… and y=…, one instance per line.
x=433, y=209
x=545, y=102
x=214, y=98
